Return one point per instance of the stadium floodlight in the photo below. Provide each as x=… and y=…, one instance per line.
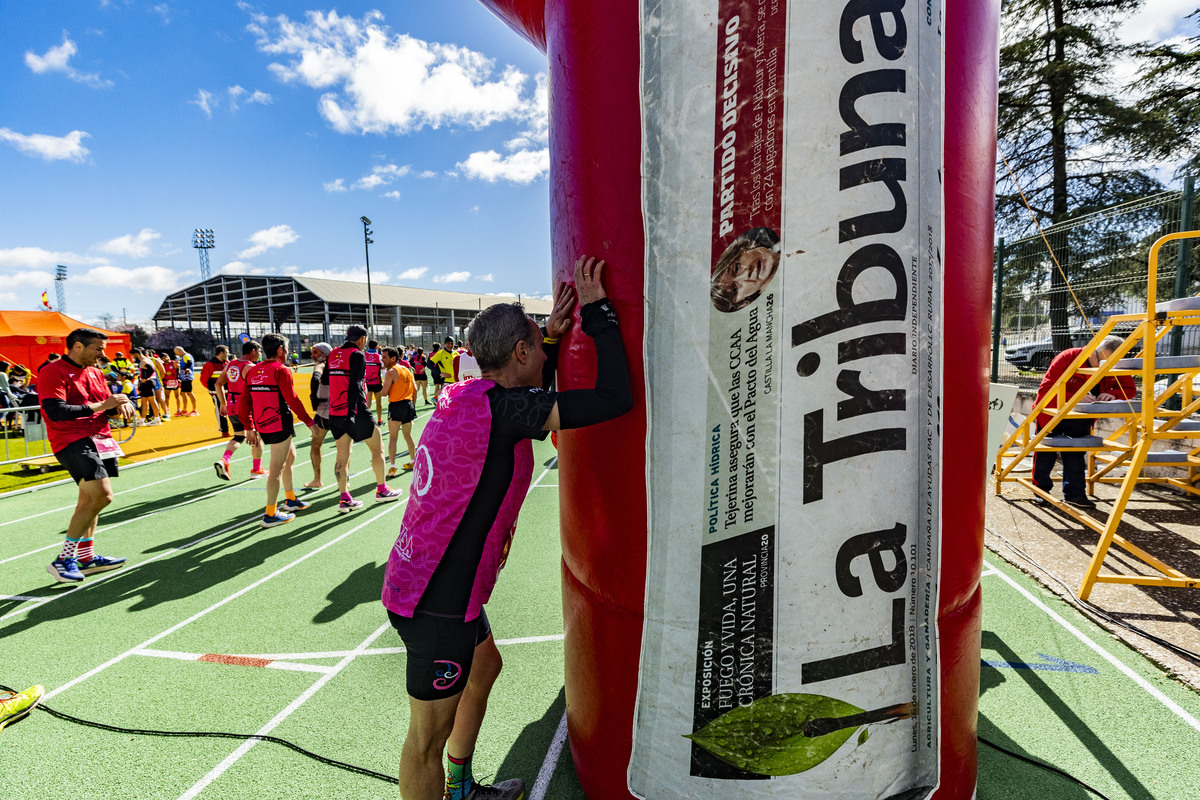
x=367, y=242
x=204, y=240
x=60, y=289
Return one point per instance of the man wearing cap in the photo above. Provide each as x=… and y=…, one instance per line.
x=350, y=419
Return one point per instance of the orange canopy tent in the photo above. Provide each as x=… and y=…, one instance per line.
x=27, y=337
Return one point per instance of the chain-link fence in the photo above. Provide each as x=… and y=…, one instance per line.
x=1040, y=310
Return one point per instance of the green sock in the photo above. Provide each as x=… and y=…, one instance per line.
x=459, y=782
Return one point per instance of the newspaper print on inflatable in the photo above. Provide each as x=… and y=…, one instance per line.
x=793, y=208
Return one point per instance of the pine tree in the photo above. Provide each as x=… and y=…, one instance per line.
x=1063, y=127
x=1170, y=87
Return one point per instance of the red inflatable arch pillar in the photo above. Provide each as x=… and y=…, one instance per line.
x=595, y=152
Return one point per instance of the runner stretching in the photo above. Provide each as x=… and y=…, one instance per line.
x=263, y=409
x=76, y=405
x=473, y=468
x=318, y=396
x=350, y=419
x=401, y=392
x=231, y=385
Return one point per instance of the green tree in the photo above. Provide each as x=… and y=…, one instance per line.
x=1064, y=128
x=1169, y=84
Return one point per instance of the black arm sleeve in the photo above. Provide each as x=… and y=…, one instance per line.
x=313, y=386
x=551, y=365
x=59, y=410
x=612, y=395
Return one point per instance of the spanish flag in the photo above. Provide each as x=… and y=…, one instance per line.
x=46, y=301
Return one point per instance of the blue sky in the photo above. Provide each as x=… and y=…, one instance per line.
x=124, y=125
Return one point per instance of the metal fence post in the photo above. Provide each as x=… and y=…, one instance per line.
x=996, y=311
x=1183, y=263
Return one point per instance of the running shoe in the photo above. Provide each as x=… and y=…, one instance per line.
x=165, y=418
x=387, y=495
x=225, y=434
x=279, y=518
x=259, y=471
x=512, y=789
x=65, y=570
x=181, y=413
x=295, y=505
x=100, y=564
x=346, y=506
x=152, y=423
x=392, y=472
x=407, y=466
x=222, y=468
x=17, y=705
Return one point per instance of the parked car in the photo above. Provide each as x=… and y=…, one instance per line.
x=1038, y=355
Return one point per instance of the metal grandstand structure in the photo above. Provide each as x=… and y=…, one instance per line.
x=320, y=309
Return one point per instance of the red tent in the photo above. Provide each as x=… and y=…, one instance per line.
x=27, y=337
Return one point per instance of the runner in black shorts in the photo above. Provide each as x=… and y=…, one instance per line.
x=456, y=532
x=401, y=391
x=76, y=405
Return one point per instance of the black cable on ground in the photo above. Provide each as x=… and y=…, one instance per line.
x=1094, y=611
x=1046, y=766
x=370, y=773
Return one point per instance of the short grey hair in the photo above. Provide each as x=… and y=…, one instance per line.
x=1110, y=344
x=495, y=331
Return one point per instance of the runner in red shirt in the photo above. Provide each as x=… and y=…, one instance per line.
x=230, y=386
x=76, y=404
x=263, y=409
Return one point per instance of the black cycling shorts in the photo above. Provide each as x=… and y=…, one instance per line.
x=359, y=427
x=83, y=462
x=185, y=386
x=440, y=652
x=279, y=436
x=375, y=388
x=402, y=411
x=438, y=378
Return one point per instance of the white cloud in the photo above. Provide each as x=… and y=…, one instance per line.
x=133, y=245
x=238, y=95
x=50, y=148
x=416, y=273
x=207, y=102
x=1158, y=20
x=376, y=81
x=452, y=277
x=524, y=166
x=37, y=278
x=242, y=268
x=154, y=279
x=356, y=274
x=489, y=277
x=427, y=173
x=8, y=297
x=336, y=186
x=381, y=175
x=269, y=239
x=37, y=258
x=55, y=60
x=395, y=195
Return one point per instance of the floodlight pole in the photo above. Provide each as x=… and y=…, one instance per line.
x=204, y=240
x=367, y=242
x=60, y=288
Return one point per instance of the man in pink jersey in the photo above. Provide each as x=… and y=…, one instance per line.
x=474, y=465
x=231, y=385
x=264, y=412
x=77, y=405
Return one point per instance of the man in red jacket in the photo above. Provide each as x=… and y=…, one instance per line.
x=77, y=404
x=264, y=411
x=1074, y=464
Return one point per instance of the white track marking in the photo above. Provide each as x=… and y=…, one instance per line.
x=1167, y=702
x=551, y=761
x=236, y=755
x=117, y=659
x=93, y=581
x=275, y=664
x=24, y=598
x=382, y=651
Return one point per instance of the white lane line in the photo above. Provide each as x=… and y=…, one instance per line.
x=25, y=598
x=385, y=651
x=117, y=659
x=236, y=755
x=548, y=765
x=274, y=664
x=1167, y=702
x=94, y=580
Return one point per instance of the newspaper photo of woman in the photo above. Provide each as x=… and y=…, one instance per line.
x=746, y=266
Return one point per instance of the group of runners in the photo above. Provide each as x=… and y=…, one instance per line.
x=152, y=380
x=472, y=470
